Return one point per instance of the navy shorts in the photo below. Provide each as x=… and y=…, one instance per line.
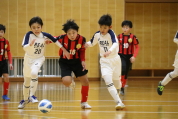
x=72, y=65
x=3, y=67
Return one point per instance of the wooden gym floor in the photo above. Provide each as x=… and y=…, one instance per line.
x=141, y=100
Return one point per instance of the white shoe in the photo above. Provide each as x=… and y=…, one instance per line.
x=23, y=103
x=85, y=105
x=120, y=106
x=72, y=85
x=33, y=99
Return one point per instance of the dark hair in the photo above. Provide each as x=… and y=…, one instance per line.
x=105, y=20
x=36, y=20
x=2, y=27
x=127, y=23
x=70, y=24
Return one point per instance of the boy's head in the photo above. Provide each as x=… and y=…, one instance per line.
x=2, y=30
x=126, y=26
x=71, y=29
x=105, y=22
x=36, y=24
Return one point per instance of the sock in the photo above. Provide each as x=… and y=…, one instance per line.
x=26, y=92
x=6, y=88
x=166, y=80
x=33, y=86
x=84, y=92
x=113, y=92
x=123, y=80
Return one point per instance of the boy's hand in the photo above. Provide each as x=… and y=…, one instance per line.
x=106, y=54
x=32, y=42
x=66, y=53
x=84, y=65
x=86, y=45
x=47, y=41
x=11, y=67
x=132, y=59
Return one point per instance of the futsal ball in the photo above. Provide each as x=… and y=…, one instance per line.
x=45, y=106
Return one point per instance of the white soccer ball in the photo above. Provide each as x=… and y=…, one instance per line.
x=45, y=106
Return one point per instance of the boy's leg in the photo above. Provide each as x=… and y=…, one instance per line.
x=5, y=86
x=166, y=80
x=26, y=89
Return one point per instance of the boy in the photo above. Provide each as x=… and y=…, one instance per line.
x=74, y=43
x=34, y=47
x=170, y=75
x=110, y=61
x=128, y=50
x=5, y=47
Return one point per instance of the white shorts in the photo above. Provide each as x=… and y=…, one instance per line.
x=176, y=60
x=30, y=63
x=111, y=66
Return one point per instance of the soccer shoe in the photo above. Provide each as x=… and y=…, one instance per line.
x=5, y=97
x=85, y=105
x=122, y=91
x=120, y=106
x=72, y=85
x=160, y=88
x=23, y=103
x=33, y=99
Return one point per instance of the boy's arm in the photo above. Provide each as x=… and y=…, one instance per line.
x=176, y=38
x=9, y=55
x=93, y=41
x=114, y=41
x=137, y=48
x=25, y=42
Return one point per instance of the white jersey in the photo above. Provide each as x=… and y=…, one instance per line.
x=106, y=43
x=176, y=56
x=38, y=48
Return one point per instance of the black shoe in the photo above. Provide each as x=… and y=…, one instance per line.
x=160, y=88
x=122, y=91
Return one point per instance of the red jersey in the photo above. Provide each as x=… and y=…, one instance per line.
x=75, y=47
x=126, y=43
x=5, y=46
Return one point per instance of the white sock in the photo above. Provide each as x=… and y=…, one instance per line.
x=26, y=92
x=113, y=92
x=166, y=80
x=33, y=86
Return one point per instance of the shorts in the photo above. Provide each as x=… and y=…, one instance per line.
x=30, y=63
x=3, y=67
x=111, y=66
x=72, y=65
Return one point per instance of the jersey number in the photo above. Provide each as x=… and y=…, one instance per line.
x=72, y=52
x=2, y=51
x=126, y=45
x=37, y=51
x=105, y=49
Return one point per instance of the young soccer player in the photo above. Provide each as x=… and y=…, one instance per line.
x=110, y=61
x=5, y=47
x=75, y=45
x=172, y=74
x=128, y=50
x=34, y=47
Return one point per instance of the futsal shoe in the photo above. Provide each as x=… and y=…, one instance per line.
x=23, y=103
x=5, y=97
x=85, y=105
x=33, y=99
x=160, y=88
x=120, y=106
x=122, y=91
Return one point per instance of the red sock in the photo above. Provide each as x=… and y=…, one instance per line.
x=6, y=88
x=123, y=80
x=84, y=92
